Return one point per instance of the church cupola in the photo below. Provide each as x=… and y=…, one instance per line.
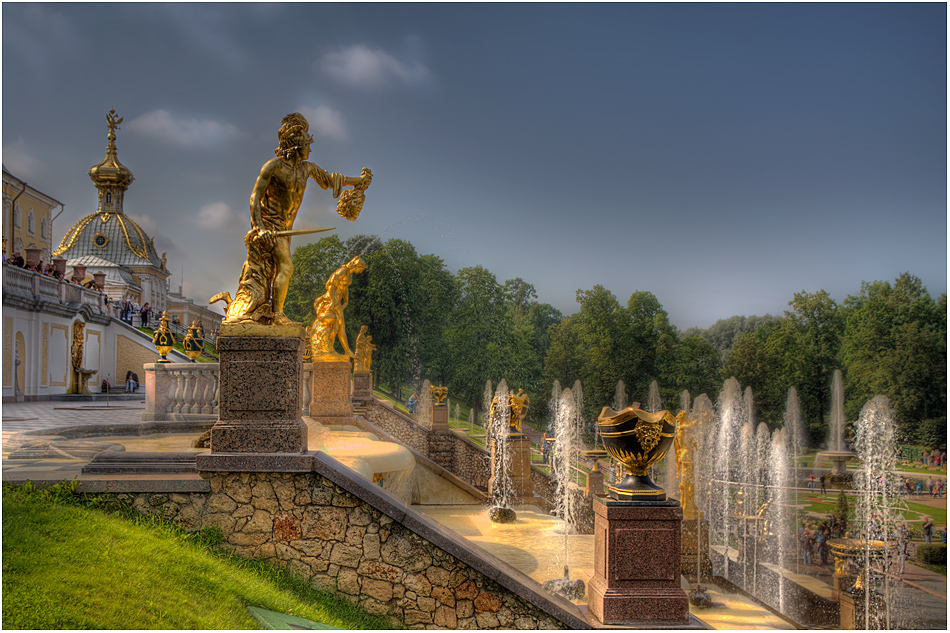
x=110, y=176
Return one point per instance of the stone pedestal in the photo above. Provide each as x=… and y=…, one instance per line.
x=330, y=393
x=636, y=581
x=694, y=545
x=852, y=609
x=520, y=473
x=440, y=417
x=362, y=385
x=259, y=398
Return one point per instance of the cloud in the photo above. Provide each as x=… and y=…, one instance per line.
x=19, y=161
x=163, y=243
x=217, y=215
x=363, y=67
x=162, y=126
x=325, y=122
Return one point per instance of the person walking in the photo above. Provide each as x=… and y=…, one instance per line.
x=822, y=480
x=930, y=485
x=928, y=529
x=146, y=311
x=811, y=481
x=903, y=543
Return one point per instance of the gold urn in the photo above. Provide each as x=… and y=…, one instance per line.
x=193, y=343
x=637, y=439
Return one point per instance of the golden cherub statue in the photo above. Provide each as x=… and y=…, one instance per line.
x=275, y=201
x=364, y=350
x=329, y=327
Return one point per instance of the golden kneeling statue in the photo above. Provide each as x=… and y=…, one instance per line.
x=328, y=327
x=275, y=202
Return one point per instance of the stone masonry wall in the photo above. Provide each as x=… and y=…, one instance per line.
x=407, y=567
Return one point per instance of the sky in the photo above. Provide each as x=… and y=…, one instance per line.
x=721, y=156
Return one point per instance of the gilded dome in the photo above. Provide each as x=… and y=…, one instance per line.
x=112, y=236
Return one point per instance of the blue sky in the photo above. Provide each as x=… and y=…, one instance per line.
x=721, y=156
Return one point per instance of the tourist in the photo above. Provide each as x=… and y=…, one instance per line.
x=903, y=543
x=938, y=489
x=412, y=403
x=18, y=260
x=807, y=540
x=146, y=309
x=822, y=480
x=105, y=386
x=822, y=540
x=930, y=485
x=928, y=529
x=920, y=487
x=811, y=481
x=131, y=382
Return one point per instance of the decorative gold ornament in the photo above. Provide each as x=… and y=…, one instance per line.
x=328, y=327
x=517, y=408
x=637, y=439
x=164, y=339
x=438, y=393
x=100, y=240
x=364, y=351
x=275, y=201
x=193, y=342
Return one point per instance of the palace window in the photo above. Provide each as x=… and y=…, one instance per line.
x=108, y=198
x=16, y=215
x=31, y=223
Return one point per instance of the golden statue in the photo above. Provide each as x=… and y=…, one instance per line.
x=275, y=202
x=364, y=350
x=78, y=377
x=328, y=327
x=684, y=445
x=438, y=393
x=519, y=407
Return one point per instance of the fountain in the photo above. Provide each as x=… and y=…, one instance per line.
x=564, y=451
x=510, y=454
x=837, y=452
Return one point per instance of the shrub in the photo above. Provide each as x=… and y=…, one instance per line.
x=932, y=554
x=841, y=508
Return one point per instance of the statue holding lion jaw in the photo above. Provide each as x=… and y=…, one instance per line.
x=275, y=202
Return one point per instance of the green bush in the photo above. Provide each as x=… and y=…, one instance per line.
x=932, y=432
x=932, y=554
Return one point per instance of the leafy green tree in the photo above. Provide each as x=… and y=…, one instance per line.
x=895, y=344
x=696, y=367
x=480, y=335
x=648, y=344
x=723, y=334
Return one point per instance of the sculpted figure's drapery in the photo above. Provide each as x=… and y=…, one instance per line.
x=275, y=201
x=329, y=327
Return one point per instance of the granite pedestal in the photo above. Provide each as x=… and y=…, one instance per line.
x=853, y=607
x=519, y=449
x=259, y=424
x=362, y=385
x=330, y=402
x=636, y=581
x=440, y=417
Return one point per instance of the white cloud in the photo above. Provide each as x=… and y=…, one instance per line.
x=162, y=126
x=217, y=215
x=363, y=67
x=325, y=122
x=163, y=243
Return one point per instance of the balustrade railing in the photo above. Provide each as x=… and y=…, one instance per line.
x=40, y=287
x=185, y=391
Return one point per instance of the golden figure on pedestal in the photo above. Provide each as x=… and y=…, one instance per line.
x=364, y=350
x=329, y=327
x=275, y=201
x=438, y=393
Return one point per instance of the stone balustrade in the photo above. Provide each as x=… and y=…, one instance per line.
x=31, y=285
x=189, y=391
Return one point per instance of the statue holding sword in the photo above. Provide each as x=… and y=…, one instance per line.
x=275, y=202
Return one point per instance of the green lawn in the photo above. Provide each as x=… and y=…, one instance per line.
x=69, y=566
x=914, y=511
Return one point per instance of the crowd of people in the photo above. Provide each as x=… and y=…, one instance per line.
x=44, y=269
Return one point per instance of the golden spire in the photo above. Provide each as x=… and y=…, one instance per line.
x=110, y=176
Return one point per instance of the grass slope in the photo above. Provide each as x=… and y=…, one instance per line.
x=66, y=566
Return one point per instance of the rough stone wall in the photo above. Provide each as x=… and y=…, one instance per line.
x=314, y=528
x=399, y=426
x=442, y=449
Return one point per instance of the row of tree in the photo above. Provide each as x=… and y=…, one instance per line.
x=464, y=329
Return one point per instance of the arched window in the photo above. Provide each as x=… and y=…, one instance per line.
x=44, y=228
x=108, y=198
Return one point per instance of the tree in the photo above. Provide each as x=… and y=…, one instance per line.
x=895, y=344
x=696, y=367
